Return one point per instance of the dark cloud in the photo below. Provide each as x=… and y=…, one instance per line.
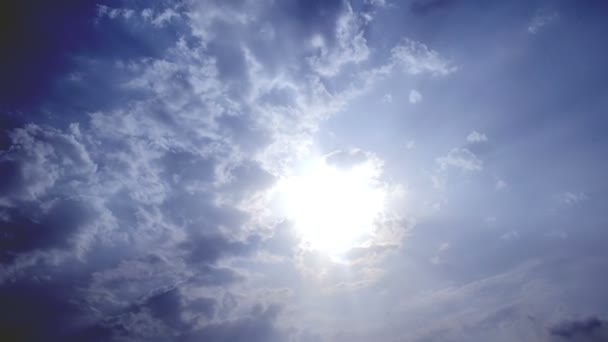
x=27, y=229
x=161, y=316
x=207, y=249
x=592, y=329
x=40, y=309
x=258, y=326
x=215, y=276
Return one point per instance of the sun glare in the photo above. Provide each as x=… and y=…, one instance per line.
x=333, y=208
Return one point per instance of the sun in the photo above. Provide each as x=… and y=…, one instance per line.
x=333, y=208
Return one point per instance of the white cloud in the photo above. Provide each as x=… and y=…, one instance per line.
x=410, y=144
x=113, y=13
x=43, y=156
x=460, y=158
x=416, y=58
x=490, y=220
x=541, y=19
x=164, y=165
x=571, y=198
x=500, y=184
x=415, y=96
x=510, y=235
x=444, y=246
x=165, y=17
x=387, y=98
x=442, y=249
x=351, y=46
x=476, y=137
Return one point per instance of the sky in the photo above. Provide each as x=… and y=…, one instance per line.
x=303, y=170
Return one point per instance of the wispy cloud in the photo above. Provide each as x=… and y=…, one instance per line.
x=417, y=58
x=542, y=19
x=500, y=184
x=572, y=198
x=461, y=158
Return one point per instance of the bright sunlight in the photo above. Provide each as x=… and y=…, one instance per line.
x=333, y=208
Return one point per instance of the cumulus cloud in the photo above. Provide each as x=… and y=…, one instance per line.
x=460, y=158
x=415, y=96
x=476, y=137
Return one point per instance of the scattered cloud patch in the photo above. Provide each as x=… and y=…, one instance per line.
x=511, y=235
x=460, y=158
x=477, y=137
x=490, y=220
x=350, y=45
x=416, y=58
x=500, y=185
x=415, y=96
x=542, y=19
x=387, y=98
x=571, y=198
x=441, y=250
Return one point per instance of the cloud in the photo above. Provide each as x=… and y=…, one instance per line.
x=511, y=235
x=350, y=46
x=588, y=330
x=415, y=96
x=348, y=159
x=500, y=184
x=542, y=19
x=571, y=198
x=416, y=58
x=38, y=158
x=134, y=213
x=441, y=250
x=387, y=98
x=460, y=158
x=476, y=137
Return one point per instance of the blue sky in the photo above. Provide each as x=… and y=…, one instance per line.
x=365, y=170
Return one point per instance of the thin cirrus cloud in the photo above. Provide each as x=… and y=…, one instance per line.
x=142, y=147
x=542, y=19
